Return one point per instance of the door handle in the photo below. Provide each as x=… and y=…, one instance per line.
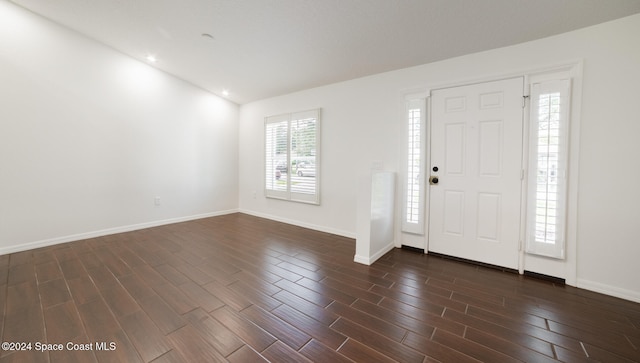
x=433, y=180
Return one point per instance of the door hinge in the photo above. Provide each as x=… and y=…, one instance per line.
x=524, y=101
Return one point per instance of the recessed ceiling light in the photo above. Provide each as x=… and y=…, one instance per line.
x=225, y=92
x=151, y=58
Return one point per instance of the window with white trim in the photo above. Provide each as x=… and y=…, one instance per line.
x=292, y=149
x=413, y=213
x=548, y=167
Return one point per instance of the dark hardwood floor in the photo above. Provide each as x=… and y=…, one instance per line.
x=243, y=289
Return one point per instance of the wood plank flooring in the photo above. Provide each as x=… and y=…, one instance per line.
x=239, y=288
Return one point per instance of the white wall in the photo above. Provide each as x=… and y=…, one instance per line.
x=353, y=135
x=375, y=232
x=88, y=138
x=363, y=123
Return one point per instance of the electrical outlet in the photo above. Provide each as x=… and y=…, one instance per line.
x=254, y=194
x=156, y=201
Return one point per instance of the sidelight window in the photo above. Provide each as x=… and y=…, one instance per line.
x=413, y=216
x=548, y=162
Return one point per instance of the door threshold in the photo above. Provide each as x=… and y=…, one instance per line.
x=539, y=276
x=535, y=275
x=472, y=262
x=412, y=249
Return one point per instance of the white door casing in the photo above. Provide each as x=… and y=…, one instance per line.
x=476, y=146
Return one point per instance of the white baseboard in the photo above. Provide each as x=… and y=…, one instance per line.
x=106, y=232
x=609, y=290
x=362, y=260
x=300, y=224
x=382, y=252
x=370, y=260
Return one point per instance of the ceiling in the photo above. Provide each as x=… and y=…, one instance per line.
x=258, y=49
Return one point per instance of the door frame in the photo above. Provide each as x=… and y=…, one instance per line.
x=574, y=70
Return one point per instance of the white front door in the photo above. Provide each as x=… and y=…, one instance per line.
x=476, y=156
